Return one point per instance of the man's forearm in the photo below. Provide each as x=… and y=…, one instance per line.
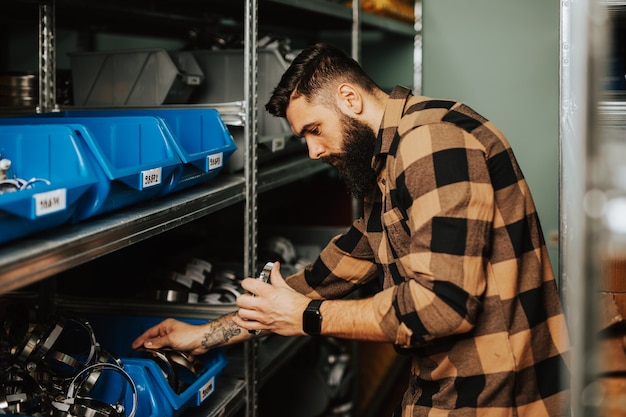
x=222, y=332
x=351, y=319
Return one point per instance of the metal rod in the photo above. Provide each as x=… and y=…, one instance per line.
x=250, y=173
x=581, y=50
x=356, y=30
x=417, y=49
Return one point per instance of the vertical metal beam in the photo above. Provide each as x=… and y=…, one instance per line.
x=356, y=30
x=251, y=133
x=47, y=58
x=356, y=55
x=250, y=173
x=571, y=189
x=582, y=46
x=417, y=49
x=599, y=175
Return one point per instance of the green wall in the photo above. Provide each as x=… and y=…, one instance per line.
x=502, y=58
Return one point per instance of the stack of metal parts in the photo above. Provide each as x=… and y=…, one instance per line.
x=183, y=282
x=19, y=90
x=197, y=280
x=50, y=367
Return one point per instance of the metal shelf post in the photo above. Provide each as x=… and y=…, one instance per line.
x=47, y=58
x=250, y=173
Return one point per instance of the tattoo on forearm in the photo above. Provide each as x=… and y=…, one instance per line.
x=220, y=335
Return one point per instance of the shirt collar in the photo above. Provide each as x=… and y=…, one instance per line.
x=394, y=109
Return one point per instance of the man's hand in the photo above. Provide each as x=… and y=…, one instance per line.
x=174, y=334
x=275, y=307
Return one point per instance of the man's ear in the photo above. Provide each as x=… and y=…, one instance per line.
x=349, y=99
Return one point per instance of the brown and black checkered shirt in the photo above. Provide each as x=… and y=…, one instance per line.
x=467, y=288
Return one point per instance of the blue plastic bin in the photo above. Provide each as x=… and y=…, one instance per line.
x=200, y=137
x=112, y=388
x=149, y=403
x=51, y=152
x=135, y=155
x=195, y=394
x=115, y=333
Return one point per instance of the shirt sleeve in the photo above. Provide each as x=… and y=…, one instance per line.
x=344, y=265
x=442, y=210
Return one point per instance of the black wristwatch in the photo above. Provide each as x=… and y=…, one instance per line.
x=312, y=318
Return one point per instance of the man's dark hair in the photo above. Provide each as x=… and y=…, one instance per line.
x=316, y=68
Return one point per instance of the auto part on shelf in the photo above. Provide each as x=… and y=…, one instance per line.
x=179, y=369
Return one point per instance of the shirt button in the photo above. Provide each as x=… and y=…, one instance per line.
x=384, y=181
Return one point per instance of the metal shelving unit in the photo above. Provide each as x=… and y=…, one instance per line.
x=30, y=260
x=42, y=256
x=590, y=179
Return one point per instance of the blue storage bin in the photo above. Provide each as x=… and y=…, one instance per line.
x=135, y=154
x=51, y=152
x=149, y=403
x=112, y=388
x=200, y=137
x=195, y=394
x=115, y=333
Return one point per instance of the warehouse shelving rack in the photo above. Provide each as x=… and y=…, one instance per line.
x=593, y=102
x=35, y=259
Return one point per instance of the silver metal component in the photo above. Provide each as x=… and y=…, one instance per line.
x=79, y=379
x=265, y=272
x=5, y=165
x=17, y=184
x=265, y=277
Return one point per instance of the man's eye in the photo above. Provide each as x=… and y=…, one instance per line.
x=315, y=131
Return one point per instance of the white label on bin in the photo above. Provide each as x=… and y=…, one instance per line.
x=151, y=177
x=207, y=389
x=278, y=144
x=216, y=160
x=194, y=80
x=50, y=201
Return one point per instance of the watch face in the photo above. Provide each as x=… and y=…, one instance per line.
x=312, y=323
x=312, y=318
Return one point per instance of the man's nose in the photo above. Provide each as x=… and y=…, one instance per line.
x=315, y=150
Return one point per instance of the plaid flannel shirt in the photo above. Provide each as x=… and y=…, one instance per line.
x=467, y=288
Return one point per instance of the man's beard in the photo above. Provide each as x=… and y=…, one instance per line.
x=354, y=163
